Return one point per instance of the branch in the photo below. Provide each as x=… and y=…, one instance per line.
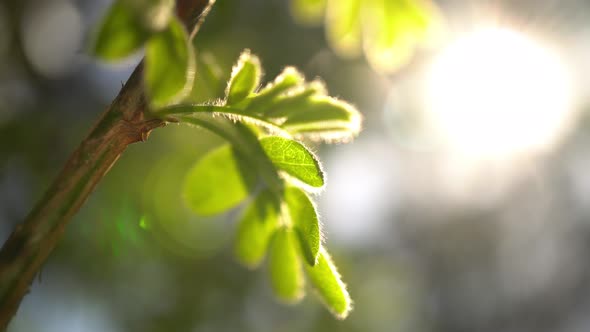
x=124, y=122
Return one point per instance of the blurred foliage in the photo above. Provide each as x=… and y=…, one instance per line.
x=515, y=262
x=221, y=168
x=388, y=31
x=170, y=61
x=169, y=65
x=259, y=127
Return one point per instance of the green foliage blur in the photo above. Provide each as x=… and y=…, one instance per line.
x=388, y=32
x=417, y=252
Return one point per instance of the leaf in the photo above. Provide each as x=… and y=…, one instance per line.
x=154, y=14
x=245, y=78
x=169, y=65
x=285, y=270
x=288, y=78
x=295, y=99
x=343, y=26
x=388, y=33
x=305, y=221
x=322, y=113
x=293, y=158
x=255, y=229
x=218, y=181
x=244, y=140
x=308, y=12
x=328, y=283
x=120, y=34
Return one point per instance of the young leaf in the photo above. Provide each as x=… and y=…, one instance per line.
x=343, y=26
x=295, y=99
x=244, y=140
x=289, y=78
x=308, y=11
x=305, y=221
x=120, y=34
x=169, y=65
x=322, y=113
x=255, y=229
x=293, y=158
x=245, y=78
x=326, y=280
x=285, y=269
x=154, y=14
x=388, y=37
x=218, y=181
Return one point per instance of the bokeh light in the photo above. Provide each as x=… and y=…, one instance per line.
x=496, y=93
x=469, y=212
x=52, y=37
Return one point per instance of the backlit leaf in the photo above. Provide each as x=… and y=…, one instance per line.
x=293, y=158
x=388, y=34
x=323, y=113
x=154, y=14
x=245, y=78
x=120, y=34
x=305, y=221
x=169, y=65
x=218, y=181
x=343, y=26
x=328, y=283
x=295, y=99
x=244, y=140
x=288, y=78
x=284, y=267
x=308, y=11
x=388, y=31
x=255, y=229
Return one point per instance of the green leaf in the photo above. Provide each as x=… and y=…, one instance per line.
x=169, y=65
x=255, y=229
x=288, y=78
x=305, y=220
x=293, y=158
x=343, y=26
x=322, y=113
x=218, y=181
x=245, y=78
x=389, y=39
x=120, y=34
x=284, y=267
x=244, y=140
x=210, y=82
x=308, y=12
x=295, y=99
x=154, y=14
x=326, y=280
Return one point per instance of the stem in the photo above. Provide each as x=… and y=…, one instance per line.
x=123, y=123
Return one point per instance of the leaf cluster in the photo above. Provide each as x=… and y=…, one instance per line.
x=264, y=165
x=387, y=31
x=272, y=174
x=131, y=25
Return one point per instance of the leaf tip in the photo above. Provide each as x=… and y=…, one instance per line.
x=285, y=268
x=329, y=286
x=245, y=78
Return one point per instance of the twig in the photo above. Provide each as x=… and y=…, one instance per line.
x=124, y=122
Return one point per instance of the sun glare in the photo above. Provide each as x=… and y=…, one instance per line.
x=496, y=93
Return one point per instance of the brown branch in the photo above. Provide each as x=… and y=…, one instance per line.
x=123, y=123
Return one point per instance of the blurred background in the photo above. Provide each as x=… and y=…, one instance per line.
x=464, y=205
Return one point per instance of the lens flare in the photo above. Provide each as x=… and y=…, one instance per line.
x=497, y=94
